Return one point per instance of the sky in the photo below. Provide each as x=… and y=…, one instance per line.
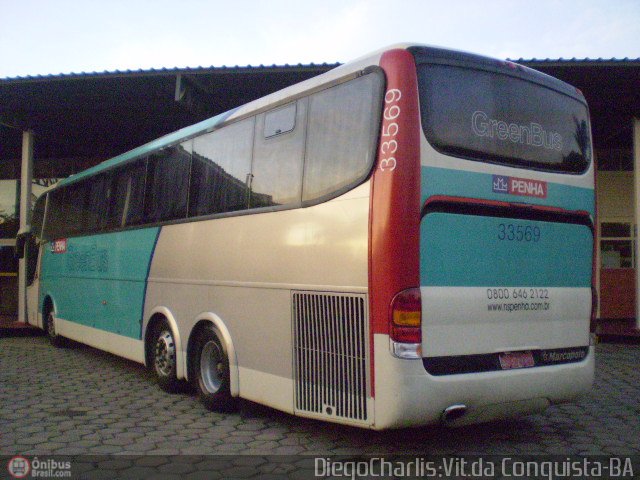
x=39, y=37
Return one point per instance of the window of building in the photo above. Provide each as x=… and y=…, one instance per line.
x=617, y=245
x=8, y=261
x=9, y=208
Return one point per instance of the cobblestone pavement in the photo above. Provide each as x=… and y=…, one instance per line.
x=80, y=401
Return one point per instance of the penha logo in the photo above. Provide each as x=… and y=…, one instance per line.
x=500, y=184
x=19, y=467
x=523, y=187
x=59, y=246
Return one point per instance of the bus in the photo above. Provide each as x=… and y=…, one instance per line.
x=403, y=240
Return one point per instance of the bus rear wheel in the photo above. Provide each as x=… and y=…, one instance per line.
x=50, y=327
x=212, y=379
x=164, y=358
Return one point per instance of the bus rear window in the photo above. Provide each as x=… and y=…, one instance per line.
x=498, y=118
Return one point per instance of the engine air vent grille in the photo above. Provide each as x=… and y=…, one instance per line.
x=330, y=354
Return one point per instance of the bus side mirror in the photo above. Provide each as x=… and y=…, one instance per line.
x=21, y=242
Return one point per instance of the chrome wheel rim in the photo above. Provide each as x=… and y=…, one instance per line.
x=211, y=367
x=165, y=354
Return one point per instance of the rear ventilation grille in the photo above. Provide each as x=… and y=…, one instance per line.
x=330, y=354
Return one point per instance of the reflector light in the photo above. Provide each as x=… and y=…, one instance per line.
x=408, y=319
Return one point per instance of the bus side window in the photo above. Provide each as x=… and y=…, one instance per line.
x=54, y=225
x=221, y=164
x=74, y=212
x=98, y=204
x=37, y=217
x=132, y=187
x=67, y=211
x=278, y=155
x=125, y=196
x=342, y=128
x=167, y=184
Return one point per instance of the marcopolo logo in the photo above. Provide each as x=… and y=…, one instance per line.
x=523, y=187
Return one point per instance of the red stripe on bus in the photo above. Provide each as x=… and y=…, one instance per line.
x=394, y=221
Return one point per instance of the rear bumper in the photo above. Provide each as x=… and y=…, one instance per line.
x=406, y=395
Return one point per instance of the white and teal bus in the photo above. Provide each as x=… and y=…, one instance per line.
x=405, y=239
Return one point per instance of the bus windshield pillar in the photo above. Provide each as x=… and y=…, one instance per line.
x=26, y=175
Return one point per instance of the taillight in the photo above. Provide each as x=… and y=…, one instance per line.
x=405, y=324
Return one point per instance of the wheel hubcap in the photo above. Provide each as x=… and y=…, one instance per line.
x=211, y=367
x=165, y=355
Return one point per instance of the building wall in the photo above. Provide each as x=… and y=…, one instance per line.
x=615, y=195
x=618, y=265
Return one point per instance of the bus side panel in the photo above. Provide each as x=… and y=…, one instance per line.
x=242, y=269
x=99, y=281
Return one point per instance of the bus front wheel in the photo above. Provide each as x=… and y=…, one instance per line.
x=164, y=358
x=55, y=339
x=212, y=378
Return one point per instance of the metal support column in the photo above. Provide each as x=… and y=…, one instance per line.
x=636, y=184
x=26, y=176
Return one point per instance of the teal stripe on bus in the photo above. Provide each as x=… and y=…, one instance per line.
x=100, y=280
x=462, y=183
x=473, y=251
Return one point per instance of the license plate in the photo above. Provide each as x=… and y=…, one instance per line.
x=513, y=360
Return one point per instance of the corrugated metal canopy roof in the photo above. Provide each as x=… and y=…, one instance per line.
x=169, y=71
x=230, y=69
x=577, y=61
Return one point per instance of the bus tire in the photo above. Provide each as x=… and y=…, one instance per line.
x=164, y=357
x=50, y=327
x=211, y=368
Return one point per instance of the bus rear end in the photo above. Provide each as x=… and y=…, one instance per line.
x=495, y=319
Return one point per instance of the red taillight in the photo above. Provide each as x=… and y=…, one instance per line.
x=405, y=318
